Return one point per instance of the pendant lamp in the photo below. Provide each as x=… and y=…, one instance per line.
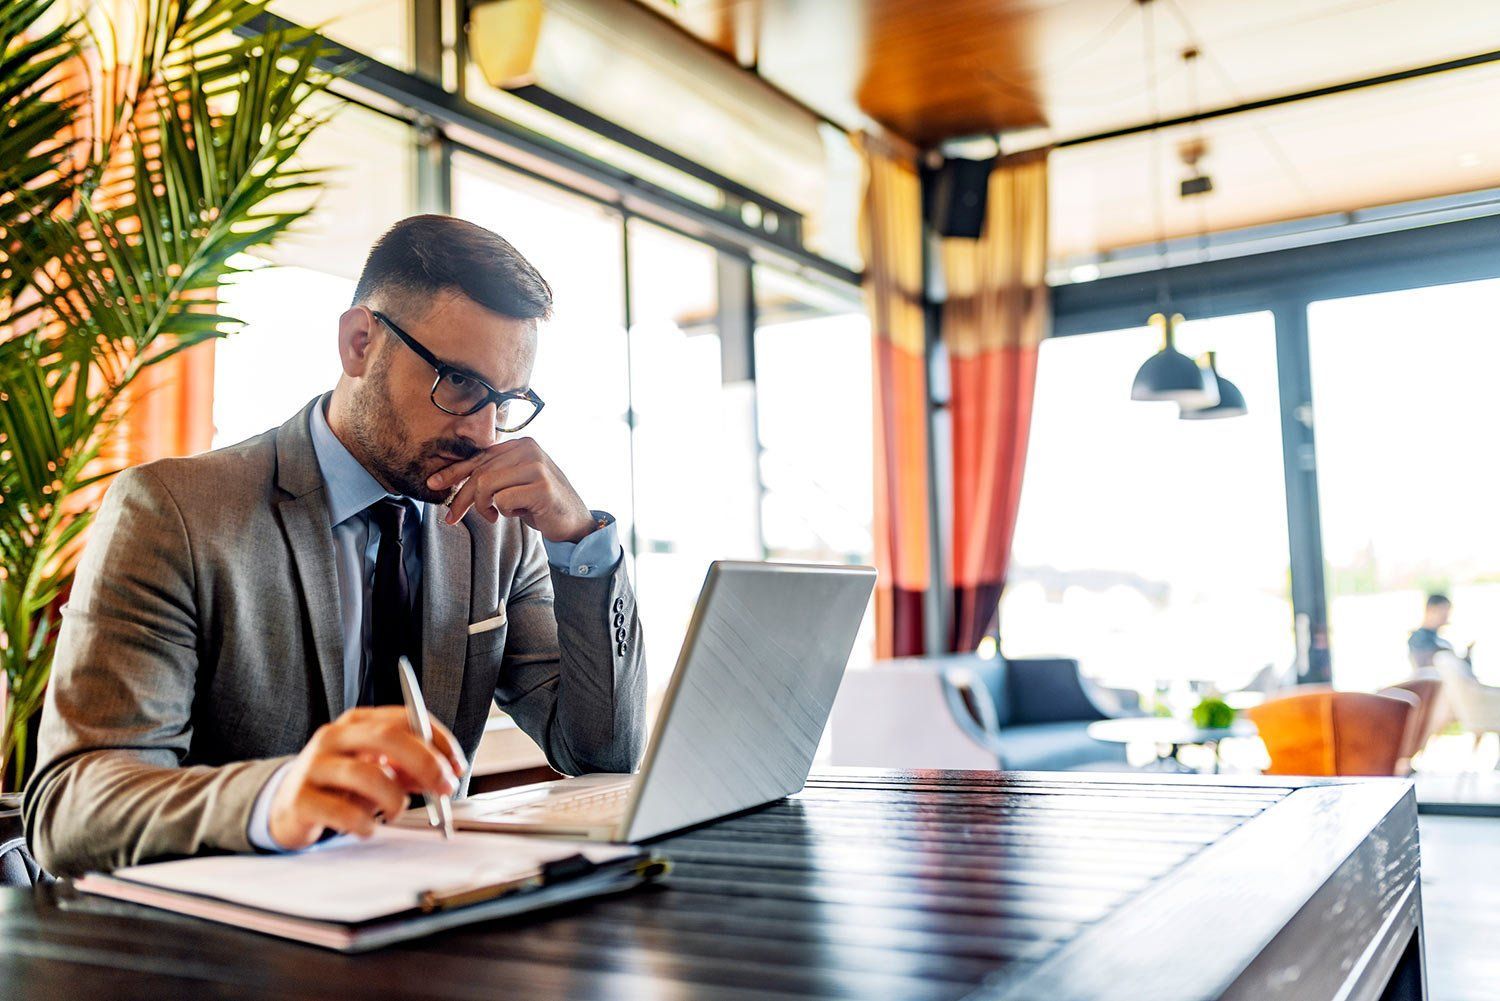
x=1231, y=400
x=1169, y=375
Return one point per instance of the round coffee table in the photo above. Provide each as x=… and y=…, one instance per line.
x=1162, y=731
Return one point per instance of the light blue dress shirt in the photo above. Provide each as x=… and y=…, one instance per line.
x=350, y=491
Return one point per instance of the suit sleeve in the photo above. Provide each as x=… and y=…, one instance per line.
x=573, y=674
x=110, y=788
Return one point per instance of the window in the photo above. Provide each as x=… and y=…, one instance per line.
x=381, y=29
x=1152, y=548
x=582, y=365
x=648, y=424
x=287, y=351
x=814, y=413
x=695, y=483
x=812, y=369
x=1403, y=402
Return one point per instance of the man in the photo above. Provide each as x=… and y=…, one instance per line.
x=225, y=677
x=1424, y=642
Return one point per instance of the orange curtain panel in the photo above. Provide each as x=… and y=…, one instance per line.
x=168, y=410
x=994, y=319
x=171, y=408
x=891, y=235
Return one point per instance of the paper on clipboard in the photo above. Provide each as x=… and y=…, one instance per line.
x=348, y=880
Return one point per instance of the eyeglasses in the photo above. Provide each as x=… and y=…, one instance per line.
x=461, y=393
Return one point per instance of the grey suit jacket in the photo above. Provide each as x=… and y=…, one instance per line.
x=201, y=646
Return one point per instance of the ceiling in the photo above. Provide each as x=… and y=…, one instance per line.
x=1040, y=71
x=930, y=71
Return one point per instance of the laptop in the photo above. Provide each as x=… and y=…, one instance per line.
x=741, y=720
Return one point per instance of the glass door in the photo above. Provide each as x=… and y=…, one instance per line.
x=1153, y=549
x=1405, y=408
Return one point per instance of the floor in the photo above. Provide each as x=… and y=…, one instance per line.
x=1461, y=905
x=1454, y=774
x=1472, y=793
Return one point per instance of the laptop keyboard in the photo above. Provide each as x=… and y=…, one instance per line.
x=603, y=800
x=581, y=807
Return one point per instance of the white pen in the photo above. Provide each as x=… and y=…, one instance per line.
x=439, y=808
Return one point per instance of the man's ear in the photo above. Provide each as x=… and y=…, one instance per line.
x=357, y=341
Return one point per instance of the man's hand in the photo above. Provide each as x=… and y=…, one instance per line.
x=516, y=479
x=362, y=764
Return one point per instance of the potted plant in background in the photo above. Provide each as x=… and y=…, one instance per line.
x=1213, y=713
x=147, y=145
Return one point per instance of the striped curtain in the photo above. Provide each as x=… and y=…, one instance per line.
x=891, y=236
x=995, y=317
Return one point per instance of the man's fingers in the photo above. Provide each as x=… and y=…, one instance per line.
x=463, y=468
x=365, y=779
x=337, y=812
x=513, y=502
x=419, y=765
x=415, y=760
x=479, y=488
x=396, y=716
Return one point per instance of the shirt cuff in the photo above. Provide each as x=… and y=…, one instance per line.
x=594, y=555
x=259, y=831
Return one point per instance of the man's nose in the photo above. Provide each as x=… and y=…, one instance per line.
x=479, y=427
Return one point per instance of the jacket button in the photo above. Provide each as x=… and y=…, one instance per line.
x=619, y=604
x=620, y=635
x=619, y=618
x=621, y=649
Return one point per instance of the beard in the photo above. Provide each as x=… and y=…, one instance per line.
x=389, y=452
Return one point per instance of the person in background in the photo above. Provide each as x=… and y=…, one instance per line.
x=1424, y=642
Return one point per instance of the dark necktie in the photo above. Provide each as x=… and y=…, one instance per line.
x=391, y=626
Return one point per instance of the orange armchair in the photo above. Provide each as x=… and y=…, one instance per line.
x=1427, y=718
x=1323, y=732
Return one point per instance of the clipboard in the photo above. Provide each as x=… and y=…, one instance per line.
x=255, y=892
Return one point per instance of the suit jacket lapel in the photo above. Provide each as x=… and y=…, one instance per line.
x=304, y=519
x=446, y=568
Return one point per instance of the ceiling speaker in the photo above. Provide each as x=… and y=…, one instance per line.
x=959, y=197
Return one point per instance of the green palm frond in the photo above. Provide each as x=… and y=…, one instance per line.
x=32, y=153
x=113, y=250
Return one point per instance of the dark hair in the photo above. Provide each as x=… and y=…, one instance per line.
x=1434, y=600
x=424, y=255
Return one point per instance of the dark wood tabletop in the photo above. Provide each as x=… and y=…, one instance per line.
x=872, y=885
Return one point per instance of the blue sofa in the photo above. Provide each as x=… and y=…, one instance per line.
x=1034, y=713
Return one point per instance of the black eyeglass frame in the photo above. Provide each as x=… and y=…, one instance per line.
x=492, y=395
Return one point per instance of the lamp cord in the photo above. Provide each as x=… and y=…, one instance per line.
x=1148, y=41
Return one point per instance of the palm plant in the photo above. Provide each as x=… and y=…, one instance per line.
x=140, y=156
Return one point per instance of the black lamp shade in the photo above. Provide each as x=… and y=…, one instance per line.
x=1231, y=404
x=1231, y=400
x=1171, y=376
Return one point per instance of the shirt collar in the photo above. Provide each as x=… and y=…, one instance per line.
x=349, y=486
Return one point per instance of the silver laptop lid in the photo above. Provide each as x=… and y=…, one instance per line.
x=747, y=704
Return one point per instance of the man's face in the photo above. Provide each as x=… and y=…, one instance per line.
x=1437, y=615
x=404, y=436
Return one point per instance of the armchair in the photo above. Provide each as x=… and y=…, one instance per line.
x=1476, y=705
x=1318, y=731
x=1034, y=713
x=1426, y=720
x=17, y=867
x=965, y=711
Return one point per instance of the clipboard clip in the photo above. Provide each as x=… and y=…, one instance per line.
x=557, y=871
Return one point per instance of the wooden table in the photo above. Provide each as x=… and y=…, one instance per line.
x=875, y=885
